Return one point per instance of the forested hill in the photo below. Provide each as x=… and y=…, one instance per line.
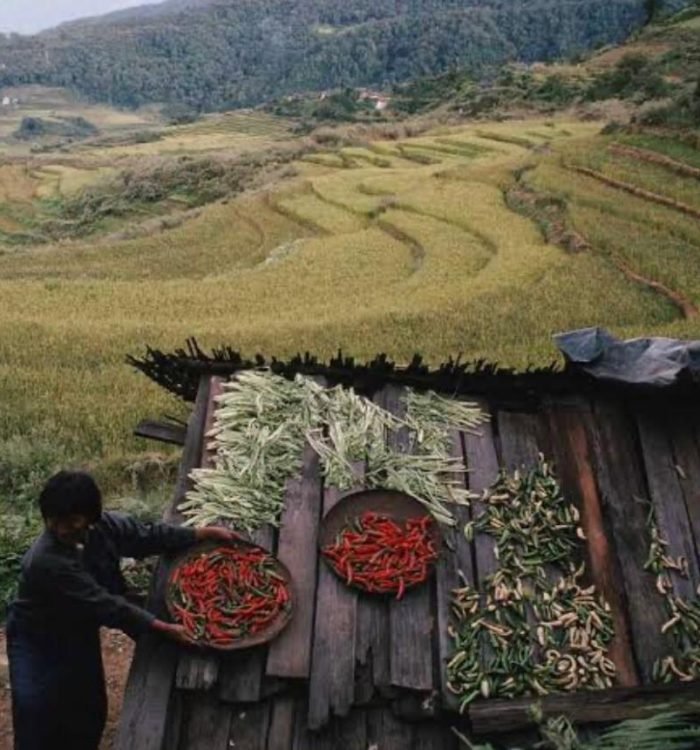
x=227, y=53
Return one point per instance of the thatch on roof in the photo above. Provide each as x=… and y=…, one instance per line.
x=179, y=372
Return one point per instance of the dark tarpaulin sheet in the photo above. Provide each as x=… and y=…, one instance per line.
x=643, y=361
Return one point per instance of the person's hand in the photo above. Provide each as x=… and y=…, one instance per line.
x=215, y=534
x=175, y=632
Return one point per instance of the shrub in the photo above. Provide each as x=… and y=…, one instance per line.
x=25, y=464
x=15, y=539
x=179, y=114
x=634, y=76
x=33, y=128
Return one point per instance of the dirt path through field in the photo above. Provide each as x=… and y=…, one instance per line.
x=117, y=651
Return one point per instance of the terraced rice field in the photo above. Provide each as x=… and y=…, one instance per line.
x=385, y=246
x=235, y=133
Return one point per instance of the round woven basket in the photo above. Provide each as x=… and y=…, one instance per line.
x=247, y=641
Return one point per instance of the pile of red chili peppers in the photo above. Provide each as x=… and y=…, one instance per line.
x=228, y=593
x=381, y=556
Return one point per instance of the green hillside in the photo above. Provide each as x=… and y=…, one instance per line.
x=241, y=52
x=549, y=198
x=437, y=243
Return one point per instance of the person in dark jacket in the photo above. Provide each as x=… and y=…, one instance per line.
x=71, y=585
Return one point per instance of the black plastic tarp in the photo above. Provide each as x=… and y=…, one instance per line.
x=643, y=361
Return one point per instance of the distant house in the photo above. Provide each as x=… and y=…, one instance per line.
x=6, y=101
x=380, y=101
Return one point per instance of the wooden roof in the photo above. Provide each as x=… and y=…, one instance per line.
x=352, y=671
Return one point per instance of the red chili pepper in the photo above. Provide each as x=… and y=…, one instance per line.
x=227, y=593
x=380, y=555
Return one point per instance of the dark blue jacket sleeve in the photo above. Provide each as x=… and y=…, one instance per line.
x=136, y=539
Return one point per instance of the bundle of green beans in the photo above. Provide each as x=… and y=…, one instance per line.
x=427, y=413
x=263, y=421
x=531, y=519
x=258, y=436
x=533, y=629
x=683, y=625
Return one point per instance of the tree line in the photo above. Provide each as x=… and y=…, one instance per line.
x=231, y=54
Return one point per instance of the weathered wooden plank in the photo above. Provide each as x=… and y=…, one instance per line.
x=162, y=432
x=196, y=670
x=456, y=557
x=410, y=619
x=282, y=720
x=208, y=723
x=144, y=714
x=482, y=462
x=176, y=719
x=520, y=437
x=199, y=670
x=433, y=735
x=572, y=422
x=249, y=726
x=412, y=623
x=350, y=732
x=147, y=697
x=364, y=679
x=600, y=706
x=304, y=738
x=241, y=674
x=413, y=706
x=216, y=388
x=191, y=452
x=684, y=430
x=667, y=497
x=372, y=637
x=332, y=685
x=387, y=732
x=625, y=504
x=372, y=640
x=290, y=654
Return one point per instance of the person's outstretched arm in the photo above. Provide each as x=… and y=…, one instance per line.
x=138, y=540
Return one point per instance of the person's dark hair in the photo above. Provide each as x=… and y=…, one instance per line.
x=70, y=493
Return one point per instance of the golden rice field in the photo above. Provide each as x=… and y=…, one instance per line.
x=387, y=246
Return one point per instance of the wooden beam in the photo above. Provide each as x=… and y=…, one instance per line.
x=456, y=557
x=371, y=638
x=249, y=727
x=596, y=707
x=411, y=620
x=386, y=732
x=143, y=722
x=196, y=669
x=667, y=496
x=332, y=685
x=625, y=503
x=191, y=453
x=208, y=725
x=163, y=432
x=572, y=423
x=282, y=721
x=290, y=654
x=482, y=461
x=241, y=673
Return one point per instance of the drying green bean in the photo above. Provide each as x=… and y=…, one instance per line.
x=263, y=421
